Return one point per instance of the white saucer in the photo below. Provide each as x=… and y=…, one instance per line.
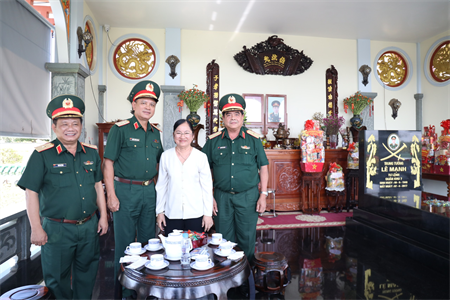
x=159, y=248
x=148, y=265
x=171, y=258
x=223, y=241
x=193, y=266
x=217, y=252
x=132, y=253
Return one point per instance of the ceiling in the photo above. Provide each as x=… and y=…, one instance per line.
x=383, y=20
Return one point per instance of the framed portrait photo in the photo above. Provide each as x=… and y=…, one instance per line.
x=254, y=110
x=276, y=110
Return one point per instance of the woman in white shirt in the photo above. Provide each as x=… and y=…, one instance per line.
x=184, y=190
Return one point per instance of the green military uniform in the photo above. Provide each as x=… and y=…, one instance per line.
x=273, y=117
x=235, y=164
x=135, y=153
x=65, y=184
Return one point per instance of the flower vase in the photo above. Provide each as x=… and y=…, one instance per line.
x=356, y=121
x=333, y=141
x=193, y=118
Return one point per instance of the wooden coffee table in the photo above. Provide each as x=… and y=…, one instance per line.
x=179, y=282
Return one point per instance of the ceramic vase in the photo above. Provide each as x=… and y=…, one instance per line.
x=193, y=118
x=356, y=121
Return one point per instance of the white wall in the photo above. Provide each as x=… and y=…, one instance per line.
x=436, y=107
x=91, y=88
x=406, y=119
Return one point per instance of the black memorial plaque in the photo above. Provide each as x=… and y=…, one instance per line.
x=392, y=165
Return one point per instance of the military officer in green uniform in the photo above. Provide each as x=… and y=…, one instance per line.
x=131, y=158
x=62, y=183
x=275, y=116
x=239, y=163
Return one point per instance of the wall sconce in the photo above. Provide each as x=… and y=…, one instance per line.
x=172, y=61
x=365, y=71
x=395, y=104
x=86, y=37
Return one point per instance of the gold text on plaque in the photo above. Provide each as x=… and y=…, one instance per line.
x=371, y=167
x=369, y=286
x=415, y=161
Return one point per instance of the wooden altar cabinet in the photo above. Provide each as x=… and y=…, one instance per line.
x=285, y=177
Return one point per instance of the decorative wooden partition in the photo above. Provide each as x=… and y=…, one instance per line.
x=285, y=177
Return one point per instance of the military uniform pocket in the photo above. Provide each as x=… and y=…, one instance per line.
x=61, y=176
x=246, y=156
x=90, y=171
x=221, y=157
x=132, y=149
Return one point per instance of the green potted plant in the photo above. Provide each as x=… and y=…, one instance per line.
x=193, y=98
x=357, y=103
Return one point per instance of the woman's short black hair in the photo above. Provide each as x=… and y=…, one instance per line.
x=181, y=121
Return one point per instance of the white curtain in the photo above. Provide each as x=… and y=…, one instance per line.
x=25, y=47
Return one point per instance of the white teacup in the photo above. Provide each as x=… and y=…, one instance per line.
x=225, y=248
x=202, y=261
x=134, y=248
x=156, y=260
x=153, y=244
x=216, y=238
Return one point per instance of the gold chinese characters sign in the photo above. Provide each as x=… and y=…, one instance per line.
x=212, y=89
x=273, y=57
x=392, y=165
x=332, y=94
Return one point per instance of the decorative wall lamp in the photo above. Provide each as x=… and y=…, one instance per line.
x=172, y=61
x=86, y=37
x=395, y=104
x=365, y=71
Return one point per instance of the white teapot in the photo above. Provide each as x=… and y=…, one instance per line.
x=173, y=244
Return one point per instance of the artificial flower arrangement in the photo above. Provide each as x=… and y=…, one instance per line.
x=333, y=123
x=357, y=103
x=193, y=98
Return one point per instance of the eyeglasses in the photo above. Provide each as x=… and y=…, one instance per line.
x=187, y=133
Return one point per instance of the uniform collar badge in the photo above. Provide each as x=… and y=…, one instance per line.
x=59, y=149
x=136, y=125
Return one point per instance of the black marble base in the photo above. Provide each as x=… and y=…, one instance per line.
x=374, y=229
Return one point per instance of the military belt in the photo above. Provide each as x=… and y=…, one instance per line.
x=76, y=222
x=129, y=181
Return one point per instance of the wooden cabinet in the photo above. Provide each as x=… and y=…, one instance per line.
x=103, y=130
x=285, y=176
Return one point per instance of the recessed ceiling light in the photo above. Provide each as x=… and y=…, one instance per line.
x=214, y=15
x=211, y=27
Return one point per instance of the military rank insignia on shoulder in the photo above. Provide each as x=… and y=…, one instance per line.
x=214, y=135
x=89, y=146
x=154, y=126
x=122, y=123
x=44, y=147
x=253, y=134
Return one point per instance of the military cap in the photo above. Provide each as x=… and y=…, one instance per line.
x=145, y=88
x=231, y=102
x=276, y=103
x=65, y=106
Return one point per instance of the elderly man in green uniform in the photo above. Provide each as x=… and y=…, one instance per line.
x=62, y=183
x=235, y=156
x=132, y=154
